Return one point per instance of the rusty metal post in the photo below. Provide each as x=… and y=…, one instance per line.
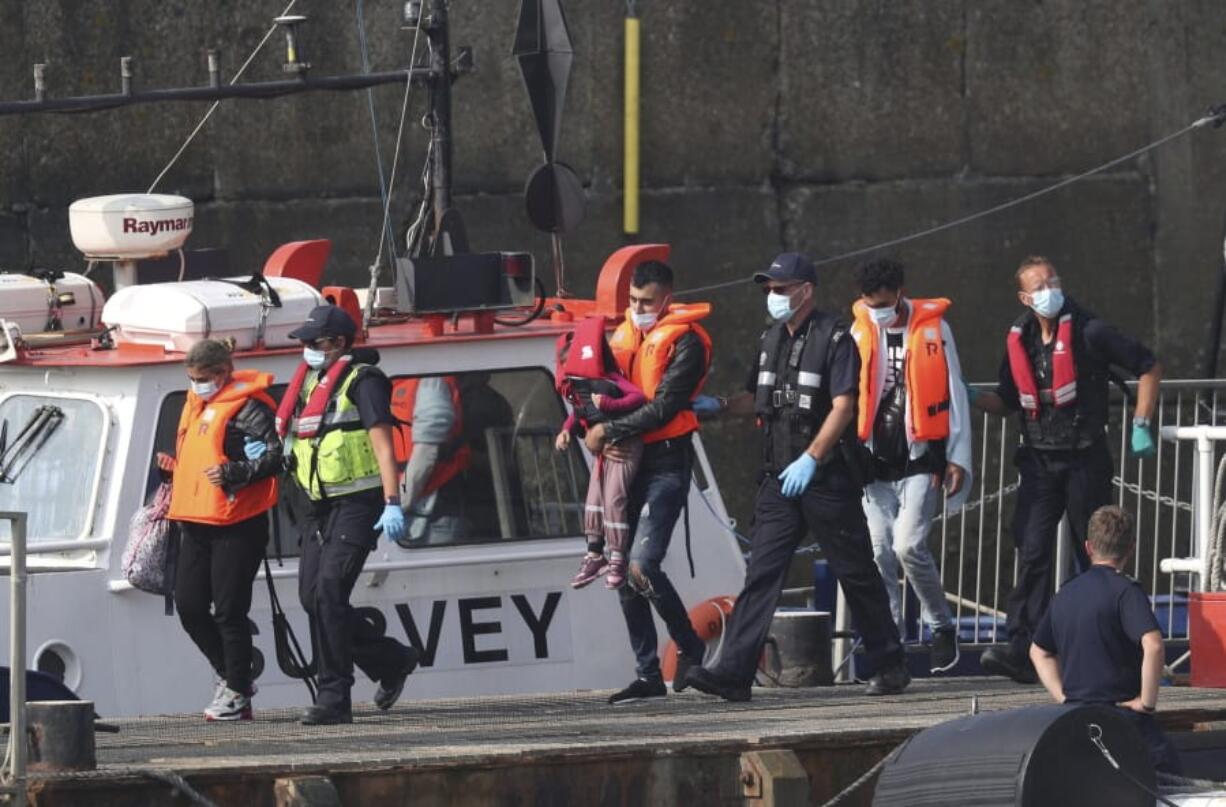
x=62, y=736
x=774, y=779
x=305, y=791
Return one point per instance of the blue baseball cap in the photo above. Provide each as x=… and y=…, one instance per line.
x=325, y=320
x=789, y=267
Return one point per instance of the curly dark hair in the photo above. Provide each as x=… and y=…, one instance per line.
x=881, y=273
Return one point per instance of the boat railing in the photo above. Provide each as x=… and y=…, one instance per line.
x=1170, y=495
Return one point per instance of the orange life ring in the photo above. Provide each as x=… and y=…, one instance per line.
x=708, y=619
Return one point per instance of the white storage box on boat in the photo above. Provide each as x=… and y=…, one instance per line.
x=30, y=302
x=177, y=315
x=130, y=225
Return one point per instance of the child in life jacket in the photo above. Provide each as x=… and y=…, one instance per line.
x=588, y=378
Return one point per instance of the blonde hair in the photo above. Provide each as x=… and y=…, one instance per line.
x=1031, y=261
x=1111, y=532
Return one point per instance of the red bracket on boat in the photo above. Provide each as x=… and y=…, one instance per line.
x=301, y=260
x=613, y=286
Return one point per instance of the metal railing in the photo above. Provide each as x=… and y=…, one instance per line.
x=975, y=550
x=13, y=772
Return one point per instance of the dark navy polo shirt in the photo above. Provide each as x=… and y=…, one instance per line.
x=1094, y=626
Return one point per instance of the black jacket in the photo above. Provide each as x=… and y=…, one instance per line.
x=254, y=420
x=673, y=394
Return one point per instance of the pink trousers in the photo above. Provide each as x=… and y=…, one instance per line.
x=605, y=516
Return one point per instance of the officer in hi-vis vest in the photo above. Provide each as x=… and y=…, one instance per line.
x=1055, y=374
x=803, y=389
x=915, y=419
x=337, y=420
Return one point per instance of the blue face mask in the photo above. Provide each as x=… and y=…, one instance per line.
x=315, y=359
x=779, y=306
x=1047, y=302
x=205, y=389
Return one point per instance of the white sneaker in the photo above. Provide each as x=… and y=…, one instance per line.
x=229, y=705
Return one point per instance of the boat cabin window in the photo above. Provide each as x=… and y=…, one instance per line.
x=49, y=459
x=492, y=474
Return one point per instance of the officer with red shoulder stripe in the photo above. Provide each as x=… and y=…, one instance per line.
x=1055, y=373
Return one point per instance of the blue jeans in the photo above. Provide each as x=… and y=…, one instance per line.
x=899, y=515
x=657, y=495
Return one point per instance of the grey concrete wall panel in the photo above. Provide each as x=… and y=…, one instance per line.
x=15, y=77
x=1097, y=234
x=708, y=85
x=1187, y=63
x=70, y=156
x=13, y=248
x=1057, y=87
x=871, y=90
x=252, y=230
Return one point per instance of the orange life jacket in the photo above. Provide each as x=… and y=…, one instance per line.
x=926, y=371
x=201, y=445
x=454, y=455
x=643, y=359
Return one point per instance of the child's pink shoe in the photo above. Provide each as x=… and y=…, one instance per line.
x=592, y=566
x=616, y=577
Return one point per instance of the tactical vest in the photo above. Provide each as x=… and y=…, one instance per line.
x=339, y=460
x=201, y=444
x=799, y=400
x=1062, y=428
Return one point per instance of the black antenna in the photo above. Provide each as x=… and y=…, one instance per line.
x=553, y=196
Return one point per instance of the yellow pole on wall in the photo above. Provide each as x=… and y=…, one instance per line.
x=630, y=178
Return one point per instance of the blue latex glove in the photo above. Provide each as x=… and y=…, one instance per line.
x=391, y=523
x=797, y=476
x=1142, y=443
x=971, y=393
x=254, y=449
x=706, y=405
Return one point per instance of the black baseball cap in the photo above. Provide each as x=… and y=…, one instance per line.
x=789, y=267
x=324, y=320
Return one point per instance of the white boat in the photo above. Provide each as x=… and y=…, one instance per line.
x=493, y=613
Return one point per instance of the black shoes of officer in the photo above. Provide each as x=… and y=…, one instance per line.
x=1004, y=661
x=706, y=681
x=390, y=687
x=640, y=689
x=684, y=665
x=890, y=681
x=319, y=715
x=945, y=653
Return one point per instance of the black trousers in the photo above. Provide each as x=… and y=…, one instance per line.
x=338, y=536
x=833, y=510
x=217, y=567
x=1052, y=483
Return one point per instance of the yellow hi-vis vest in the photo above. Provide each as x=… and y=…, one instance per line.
x=339, y=460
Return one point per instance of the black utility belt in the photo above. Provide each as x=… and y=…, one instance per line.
x=784, y=397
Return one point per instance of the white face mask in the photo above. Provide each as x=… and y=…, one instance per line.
x=645, y=321
x=205, y=389
x=884, y=317
x=1047, y=302
x=315, y=359
x=779, y=306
